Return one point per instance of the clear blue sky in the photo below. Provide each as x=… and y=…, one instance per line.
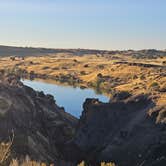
x=99, y=24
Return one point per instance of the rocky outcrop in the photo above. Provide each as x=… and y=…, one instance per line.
x=121, y=131
x=140, y=64
x=41, y=128
x=127, y=130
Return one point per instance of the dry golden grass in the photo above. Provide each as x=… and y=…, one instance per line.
x=5, y=151
x=135, y=79
x=102, y=164
x=27, y=162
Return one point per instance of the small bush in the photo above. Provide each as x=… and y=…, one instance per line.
x=45, y=67
x=121, y=95
x=86, y=65
x=135, y=77
x=142, y=77
x=56, y=68
x=13, y=58
x=164, y=62
x=161, y=118
x=64, y=68
x=99, y=75
x=83, y=73
x=101, y=67
x=155, y=86
x=75, y=60
x=163, y=88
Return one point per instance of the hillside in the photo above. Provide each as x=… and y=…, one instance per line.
x=32, y=51
x=129, y=130
x=40, y=128
x=125, y=130
x=106, y=72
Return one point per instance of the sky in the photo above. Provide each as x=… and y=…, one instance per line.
x=95, y=24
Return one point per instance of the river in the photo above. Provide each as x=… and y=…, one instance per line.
x=69, y=97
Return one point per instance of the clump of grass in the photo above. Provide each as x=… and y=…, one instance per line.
x=155, y=86
x=102, y=164
x=142, y=77
x=27, y=162
x=82, y=72
x=163, y=88
x=107, y=164
x=5, y=151
x=161, y=118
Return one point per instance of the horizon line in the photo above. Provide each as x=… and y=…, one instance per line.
x=54, y=48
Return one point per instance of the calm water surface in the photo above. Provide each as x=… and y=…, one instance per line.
x=69, y=97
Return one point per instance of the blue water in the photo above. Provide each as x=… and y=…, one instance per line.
x=68, y=97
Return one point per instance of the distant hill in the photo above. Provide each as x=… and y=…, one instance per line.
x=30, y=51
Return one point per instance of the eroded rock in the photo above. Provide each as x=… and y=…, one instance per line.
x=121, y=131
x=41, y=128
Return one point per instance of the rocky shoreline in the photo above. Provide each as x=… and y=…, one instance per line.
x=125, y=130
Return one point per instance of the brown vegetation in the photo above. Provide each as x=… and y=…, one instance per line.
x=116, y=72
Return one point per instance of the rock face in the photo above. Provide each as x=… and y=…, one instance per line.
x=123, y=132
x=41, y=128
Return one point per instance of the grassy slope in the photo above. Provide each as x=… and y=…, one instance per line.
x=123, y=77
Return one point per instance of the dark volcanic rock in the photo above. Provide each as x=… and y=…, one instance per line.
x=121, y=131
x=127, y=130
x=41, y=129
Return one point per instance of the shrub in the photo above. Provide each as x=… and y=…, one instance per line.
x=83, y=73
x=31, y=62
x=99, y=75
x=56, y=68
x=97, y=83
x=101, y=67
x=163, y=88
x=45, y=67
x=155, y=86
x=135, y=77
x=161, y=118
x=13, y=58
x=32, y=72
x=121, y=95
x=86, y=65
x=164, y=62
x=75, y=60
x=64, y=68
x=142, y=77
